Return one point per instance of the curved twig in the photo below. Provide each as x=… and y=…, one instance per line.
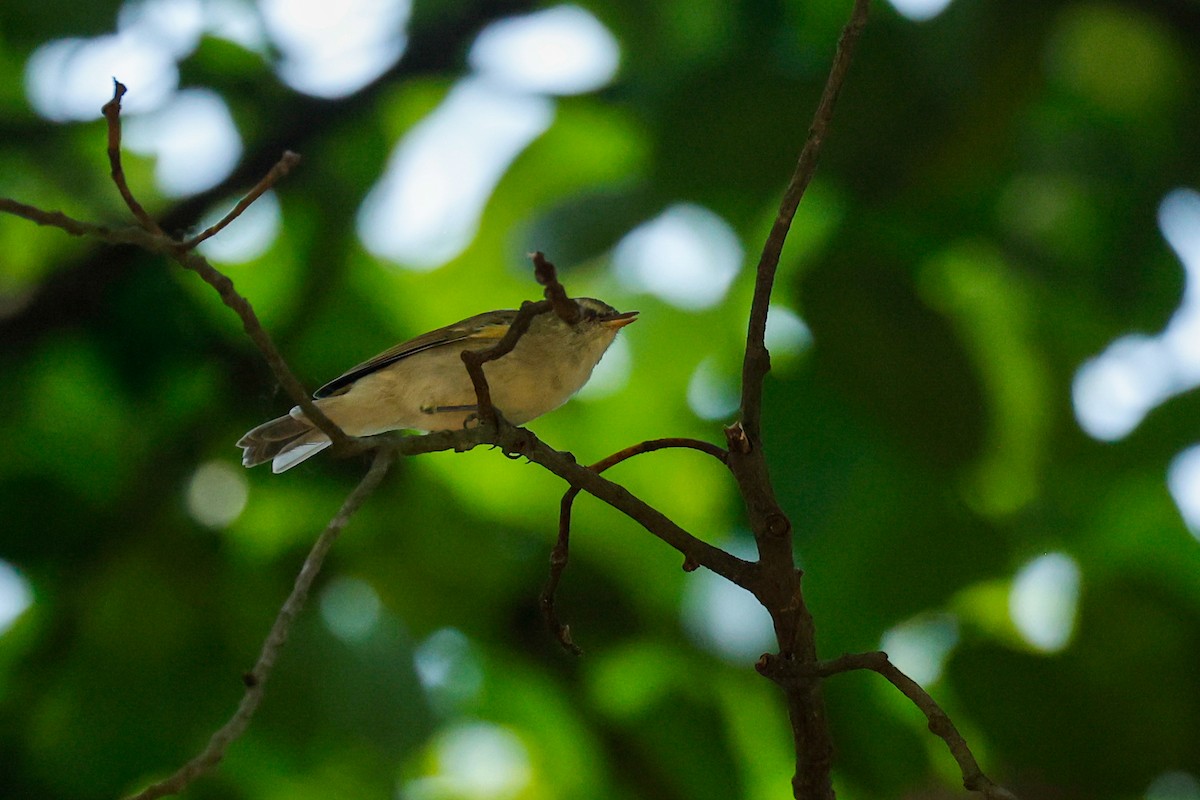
x=939, y=722
x=256, y=678
x=112, y=113
x=286, y=164
x=181, y=252
x=560, y=555
x=757, y=361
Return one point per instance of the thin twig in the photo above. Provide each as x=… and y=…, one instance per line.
x=256, y=679
x=757, y=361
x=560, y=555
x=112, y=113
x=475, y=359
x=181, y=252
x=547, y=276
x=57, y=219
x=939, y=722
x=286, y=164
x=556, y=300
x=237, y=303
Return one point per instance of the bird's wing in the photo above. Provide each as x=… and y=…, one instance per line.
x=482, y=327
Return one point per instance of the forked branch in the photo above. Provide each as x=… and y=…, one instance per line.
x=560, y=555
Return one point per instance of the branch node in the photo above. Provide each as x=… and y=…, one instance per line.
x=690, y=564
x=735, y=436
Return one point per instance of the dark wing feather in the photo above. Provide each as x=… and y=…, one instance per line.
x=481, y=326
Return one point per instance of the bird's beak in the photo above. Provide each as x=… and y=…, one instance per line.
x=619, y=320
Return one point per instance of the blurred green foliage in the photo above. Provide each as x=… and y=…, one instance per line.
x=982, y=224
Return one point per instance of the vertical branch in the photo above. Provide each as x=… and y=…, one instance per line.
x=112, y=114
x=778, y=581
x=757, y=360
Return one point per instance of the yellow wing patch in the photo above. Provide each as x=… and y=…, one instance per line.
x=496, y=331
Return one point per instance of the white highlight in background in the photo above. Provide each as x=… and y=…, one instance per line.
x=216, y=495
x=174, y=24
x=1114, y=391
x=562, y=50
x=1177, y=785
x=350, y=608
x=710, y=394
x=15, y=595
x=1183, y=481
x=70, y=79
x=248, y=236
x=611, y=374
x=724, y=618
x=334, y=49
x=193, y=139
x=920, y=10
x=920, y=646
x=688, y=256
x=426, y=208
x=481, y=761
x=1043, y=601
x=786, y=333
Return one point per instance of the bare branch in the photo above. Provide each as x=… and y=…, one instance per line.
x=224, y=287
x=546, y=275
x=475, y=359
x=256, y=678
x=939, y=722
x=286, y=164
x=112, y=113
x=757, y=361
x=57, y=219
x=560, y=555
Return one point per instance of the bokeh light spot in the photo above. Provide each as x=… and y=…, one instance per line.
x=248, y=236
x=786, y=334
x=193, y=138
x=1183, y=481
x=687, y=256
x=174, y=24
x=479, y=761
x=920, y=10
x=70, y=79
x=15, y=595
x=611, y=374
x=1114, y=391
x=562, y=50
x=1176, y=785
x=216, y=494
x=448, y=667
x=919, y=646
x=350, y=608
x=334, y=49
x=426, y=208
x=1043, y=601
x=710, y=394
x=724, y=618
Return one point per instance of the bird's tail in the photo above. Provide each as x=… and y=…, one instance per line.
x=285, y=442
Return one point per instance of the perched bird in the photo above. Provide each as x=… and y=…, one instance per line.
x=423, y=385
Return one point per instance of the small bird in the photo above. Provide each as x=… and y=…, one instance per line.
x=423, y=385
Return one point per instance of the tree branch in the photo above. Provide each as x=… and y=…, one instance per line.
x=286, y=164
x=560, y=555
x=556, y=300
x=757, y=361
x=256, y=678
x=939, y=722
x=112, y=113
